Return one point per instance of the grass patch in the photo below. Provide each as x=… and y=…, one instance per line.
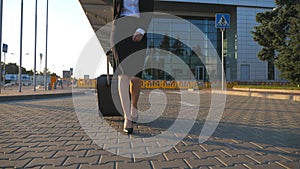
x=269, y=87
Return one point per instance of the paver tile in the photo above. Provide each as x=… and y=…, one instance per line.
x=30, y=155
x=14, y=163
x=10, y=156
x=80, y=153
x=216, y=153
x=294, y=164
x=178, y=163
x=144, y=164
x=231, y=161
x=268, y=158
x=266, y=166
x=62, y=167
x=208, y=162
x=114, y=158
x=111, y=165
x=49, y=161
x=82, y=160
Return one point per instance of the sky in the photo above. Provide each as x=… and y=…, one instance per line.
x=68, y=32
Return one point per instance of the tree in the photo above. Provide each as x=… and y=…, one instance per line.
x=30, y=72
x=178, y=47
x=279, y=35
x=151, y=48
x=13, y=68
x=165, y=43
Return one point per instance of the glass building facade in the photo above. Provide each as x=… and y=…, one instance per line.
x=184, y=51
x=241, y=61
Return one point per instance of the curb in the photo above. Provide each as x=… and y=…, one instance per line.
x=264, y=94
x=37, y=96
x=296, y=92
x=31, y=97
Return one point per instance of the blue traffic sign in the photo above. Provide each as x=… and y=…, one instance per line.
x=222, y=20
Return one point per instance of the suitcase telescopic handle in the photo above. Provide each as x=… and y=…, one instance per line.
x=114, y=60
x=108, y=54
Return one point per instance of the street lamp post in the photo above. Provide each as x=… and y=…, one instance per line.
x=1, y=11
x=21, y=46
x=46, y=52
x=35, y=44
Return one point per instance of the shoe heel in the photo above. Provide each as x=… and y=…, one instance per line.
x=128, y=130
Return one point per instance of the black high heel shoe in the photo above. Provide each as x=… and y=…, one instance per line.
x=128, y=130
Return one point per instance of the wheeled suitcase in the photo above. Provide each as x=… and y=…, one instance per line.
x=108, y=107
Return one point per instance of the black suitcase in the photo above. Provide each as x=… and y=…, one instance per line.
x=108, y=107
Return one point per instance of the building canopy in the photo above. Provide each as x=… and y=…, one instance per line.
x=98, y=12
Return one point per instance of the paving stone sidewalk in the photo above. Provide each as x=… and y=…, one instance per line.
x=253, y=133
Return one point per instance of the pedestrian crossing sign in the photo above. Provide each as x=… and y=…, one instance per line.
x=222, y=20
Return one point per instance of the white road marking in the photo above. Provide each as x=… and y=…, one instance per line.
x=174, y=92
x=187, y=104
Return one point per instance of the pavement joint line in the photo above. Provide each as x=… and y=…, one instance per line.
x=187, y=163
x=151, y=164
x=258, y=162
x=133, y=158
x=165, y=156
x=147, y=150
x=245, y=165
x=26, y=165
x=100, y=160
x=259, y=153
x=223, y=151
x=256, y=145
x=195, y=154
x=177, y=151
x=285, y=157
x=203, y=148
x=278, y=163
x=222, y=162
x=184, y=143
x=278, y=148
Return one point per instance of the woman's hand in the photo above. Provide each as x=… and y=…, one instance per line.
x=137, y=37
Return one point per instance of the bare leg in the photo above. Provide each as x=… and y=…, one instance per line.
x=135, y=88
x=123, y=87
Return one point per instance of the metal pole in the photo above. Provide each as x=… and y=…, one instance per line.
x=0, y=72
x=21, y=48
x=46, y=53
x=4, y=71
x=1, y=12
x=222, y=30
x=35, y=44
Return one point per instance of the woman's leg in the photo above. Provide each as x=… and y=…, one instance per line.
x=123, y=87
x=135, y=88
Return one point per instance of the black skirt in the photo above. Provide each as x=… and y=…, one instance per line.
x=124, y=46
